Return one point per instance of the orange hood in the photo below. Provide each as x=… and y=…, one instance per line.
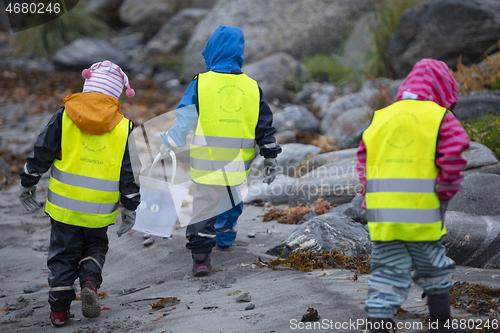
x=93, y=113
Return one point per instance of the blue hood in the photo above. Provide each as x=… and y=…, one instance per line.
x=224, y=50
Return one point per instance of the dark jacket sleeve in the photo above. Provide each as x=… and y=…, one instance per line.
x=129, y=190
x=47, y=145
x=264, y=133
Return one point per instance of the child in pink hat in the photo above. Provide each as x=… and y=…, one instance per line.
x=85, y=145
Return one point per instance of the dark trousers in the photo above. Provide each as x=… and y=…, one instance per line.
x=74, y=252
x=201, y=231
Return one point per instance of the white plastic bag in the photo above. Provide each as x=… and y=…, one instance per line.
x=160, y=203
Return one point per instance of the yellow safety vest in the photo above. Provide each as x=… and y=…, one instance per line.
x=401, y=199
x=84, y=184
x=223, y=144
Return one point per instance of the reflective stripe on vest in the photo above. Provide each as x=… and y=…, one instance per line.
x=84, y=184
x=401, y=199
x=223, y=144
x=401, y=185
x=84, y=181
x=81, y=206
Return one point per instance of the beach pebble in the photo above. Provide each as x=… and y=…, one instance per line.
x=33, y=288
x=251, y=235
x=244, y=298
x=159, y=281
x=125, y=291
x=148, y=242
x=25, y=313
x=146, y=236
x=2, y=296
x=250, y=306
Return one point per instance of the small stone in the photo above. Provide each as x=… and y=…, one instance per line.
x=159, y=281
x=25, y=313
x=2, y=296
x=146, y=236
x=250, y=306
x=126, y=291
x=244, y=298
x=148, y=242
x=33, y=288
x=251, y=235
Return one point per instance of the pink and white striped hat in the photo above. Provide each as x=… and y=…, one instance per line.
x=107, y=78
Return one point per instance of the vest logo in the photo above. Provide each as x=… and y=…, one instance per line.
x=401, y=138
x=93, y=144
x=229, y=95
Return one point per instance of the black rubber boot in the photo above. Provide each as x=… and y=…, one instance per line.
x=440, y=314
x=201, y=264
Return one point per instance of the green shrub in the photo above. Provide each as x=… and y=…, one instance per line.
x=330, y=67
x=174, y=62
x=49, y=37
x=485, y=130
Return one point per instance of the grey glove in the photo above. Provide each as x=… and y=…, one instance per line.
x=128, y=221
x=27, y=195
x=443, y=206
x=165, y=151
x=270, y=170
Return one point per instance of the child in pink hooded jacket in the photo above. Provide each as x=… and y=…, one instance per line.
x=394, y=256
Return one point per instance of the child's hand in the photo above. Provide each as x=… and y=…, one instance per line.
x=128, y=221
x=27, y=195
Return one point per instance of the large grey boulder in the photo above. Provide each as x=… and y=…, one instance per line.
x=275, y=93
x=337, y=183
x=345, y=103
x=83, y=52
x=480, y=159
x=353, y=209
x=477, y=104
x=473, y=240
x=326, y=232
x=345, y=119
x=276, y=193
x=444, y=29
x=347, y=156
x=333, y=177
x=480, y=195
x=301, y=28
x=149, y=16
x=340, y=128
x=360, y=44
x=173, y=35
x=295, y=118
x=279, y=68
x=352, y=139
x=288, y=160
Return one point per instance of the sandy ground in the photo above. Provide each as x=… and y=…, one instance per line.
x=163, y=269
x=206, y=304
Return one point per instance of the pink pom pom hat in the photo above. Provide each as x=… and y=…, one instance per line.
x=107, y=78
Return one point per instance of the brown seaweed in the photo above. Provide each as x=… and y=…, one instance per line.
x=311, y=315
x=308, y=260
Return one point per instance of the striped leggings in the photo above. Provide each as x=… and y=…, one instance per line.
x=391, y=274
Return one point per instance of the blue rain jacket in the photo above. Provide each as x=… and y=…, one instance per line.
x=224, y=53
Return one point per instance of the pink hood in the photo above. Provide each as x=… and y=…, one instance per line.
x=430, y=80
